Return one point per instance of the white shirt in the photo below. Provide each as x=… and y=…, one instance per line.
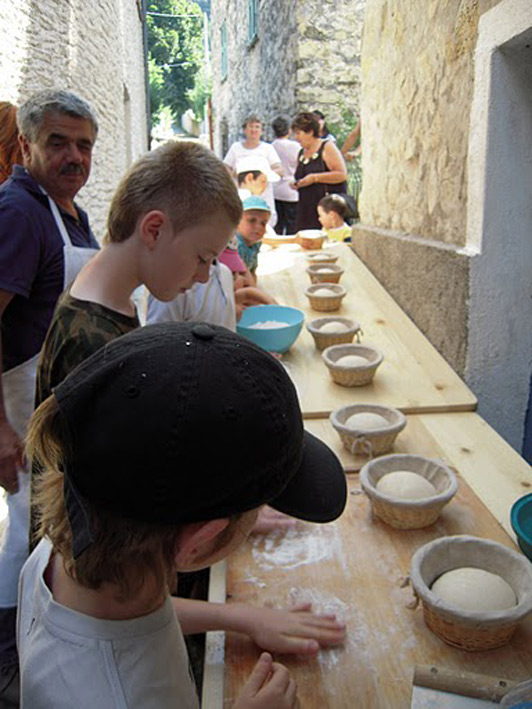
x=212, y=302
x=237, y=151
x=288, y=150
x=69, y=660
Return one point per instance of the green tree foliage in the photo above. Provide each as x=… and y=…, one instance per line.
x=175, y=54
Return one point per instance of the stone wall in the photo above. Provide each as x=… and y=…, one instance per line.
x=328, y=63
x=306, y=56
x=95, y=50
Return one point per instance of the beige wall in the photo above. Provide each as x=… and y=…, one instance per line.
x=94, y=49
x=417, y=88
x=417, y=74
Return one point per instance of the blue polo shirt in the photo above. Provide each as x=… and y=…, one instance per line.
x=31, y=263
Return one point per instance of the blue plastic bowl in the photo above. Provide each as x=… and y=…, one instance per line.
x=279, y=339
x=521, y=519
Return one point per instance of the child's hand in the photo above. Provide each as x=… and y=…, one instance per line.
x=269, y=686
x=246, y=297
x=270, y=520
x=294, y=631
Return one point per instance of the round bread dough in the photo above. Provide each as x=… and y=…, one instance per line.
x=334, y=326
x=474, y=589
x=352, y=361
x=325, y=269
x=406, y=485
x=323, y=291
x=366, y=421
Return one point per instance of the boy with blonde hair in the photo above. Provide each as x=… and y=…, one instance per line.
x=172, y=214
x=129, y=495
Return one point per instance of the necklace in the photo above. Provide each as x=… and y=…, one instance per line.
x=305, y=161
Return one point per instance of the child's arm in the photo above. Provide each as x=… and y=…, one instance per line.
x=295, y=631
x=269, y=685
x=245, y=297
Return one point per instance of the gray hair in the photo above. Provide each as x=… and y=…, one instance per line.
x=30, y=115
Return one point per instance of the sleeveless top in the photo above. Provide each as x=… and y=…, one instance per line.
x=307, y=207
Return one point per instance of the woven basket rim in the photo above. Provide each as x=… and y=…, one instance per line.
x=314, y=329
x=434, y=501
x=457, y=615
x=309, y=292
x=314, y=268
x=352, y=349
x=367, y=408
x=322, y=257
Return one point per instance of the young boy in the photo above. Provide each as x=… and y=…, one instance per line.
x=129, y=496
x=170, y=216
x=331, y=213
x=253, y=174
x=251, y=229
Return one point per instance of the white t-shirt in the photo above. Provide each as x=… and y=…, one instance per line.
x=237, y=151
x=212, y=302
x=69, y=660
x=287, y=150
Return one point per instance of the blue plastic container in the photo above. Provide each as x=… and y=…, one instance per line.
x=521, y=519
x=278, y=339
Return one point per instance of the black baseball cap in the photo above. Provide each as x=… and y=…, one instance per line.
x=186, y=422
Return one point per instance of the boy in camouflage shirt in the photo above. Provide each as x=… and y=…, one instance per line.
x=171, y=215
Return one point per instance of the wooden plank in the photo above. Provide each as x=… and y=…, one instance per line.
x=496, y=473
x=212, y=693
x=356, y=568
x=414, y=377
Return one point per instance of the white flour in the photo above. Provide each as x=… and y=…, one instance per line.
x=268, y=325
x=297, y=547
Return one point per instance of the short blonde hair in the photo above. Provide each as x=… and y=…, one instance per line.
x=181, y=178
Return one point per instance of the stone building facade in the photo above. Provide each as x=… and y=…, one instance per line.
x=446, y=201
x=95, y=50
x=305, y=55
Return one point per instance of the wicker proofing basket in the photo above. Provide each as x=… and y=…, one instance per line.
x=326, y=303
x=328, y=339
x=369, y=443
x=408, y=514
x=310, y=238
x=331, y=276
x=355, y=376
x=469, y=630
x=322, y=257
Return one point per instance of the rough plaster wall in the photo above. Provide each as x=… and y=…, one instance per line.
x=430, y=283
x=261, y=77
x=500, y=220
x=417, y=75
x=328, y=65
x=95, y=50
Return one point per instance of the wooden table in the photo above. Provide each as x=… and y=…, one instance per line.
x=493, y=470
x=413, y=377
x=355, y=566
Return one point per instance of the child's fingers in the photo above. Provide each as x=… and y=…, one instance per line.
x=291, y=694
x=280, y=678
x=260, y=673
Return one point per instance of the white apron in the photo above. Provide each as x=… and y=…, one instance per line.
x=18, y=385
